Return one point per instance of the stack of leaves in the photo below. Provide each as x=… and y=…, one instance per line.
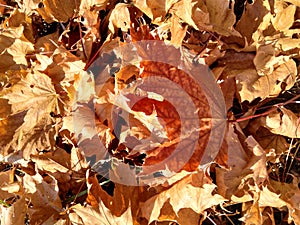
x=46, y=49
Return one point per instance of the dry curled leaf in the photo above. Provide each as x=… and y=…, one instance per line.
x=285, y=123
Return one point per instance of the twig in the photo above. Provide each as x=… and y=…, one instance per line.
x=275, y=107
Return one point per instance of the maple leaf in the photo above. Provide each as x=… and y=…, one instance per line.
x=189, y=11
x=156, y=10
x=31, y=99
x=43, y=195
x=250, y=83
x=151, y=98
x=222, y=17
x=193, y=191
x=13, y=49
x=89, y=216
x=268, y=140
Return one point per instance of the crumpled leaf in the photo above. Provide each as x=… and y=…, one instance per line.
x=253, y=17
x=250, y=85
x=247, y=160
x=119, y=18
x=13, y=49
x=156, y=10
x=284, y=123
x=8, y=214
x=189, y=11
x=284, y=17
x=290, y=194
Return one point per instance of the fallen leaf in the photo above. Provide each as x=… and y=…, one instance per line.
x=284, y=15
x=14, y=214
x=221, y=16
x=285, y=123
x=194, y=192
x=53, y=10
x=43, y=195
x=249, y=83
x=90, y=216
x=31, y=99
x=13, y=49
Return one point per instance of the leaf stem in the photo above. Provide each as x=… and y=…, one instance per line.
x=275, y=107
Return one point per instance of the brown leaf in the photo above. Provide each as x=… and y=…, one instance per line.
x=251, y=19
x=247, y=160
x=61, y=11
x=43, y=195
x=221, y=16
x=265, y=138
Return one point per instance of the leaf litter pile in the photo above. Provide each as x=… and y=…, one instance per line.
x=47, y=50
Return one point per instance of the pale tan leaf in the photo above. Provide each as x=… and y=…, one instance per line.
x=190, y=11
x=156, y=10
x=90, y=216
x=286, y=44
x=65, y=67
x=178, y=31
x=284, y=18
x=194, y=192
x=89, y=10
x=31, y=99
x=250, y=85
x=28, y=6
x=269, y=198
x=284, y=123
x=119, y=18
x=7, y=189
